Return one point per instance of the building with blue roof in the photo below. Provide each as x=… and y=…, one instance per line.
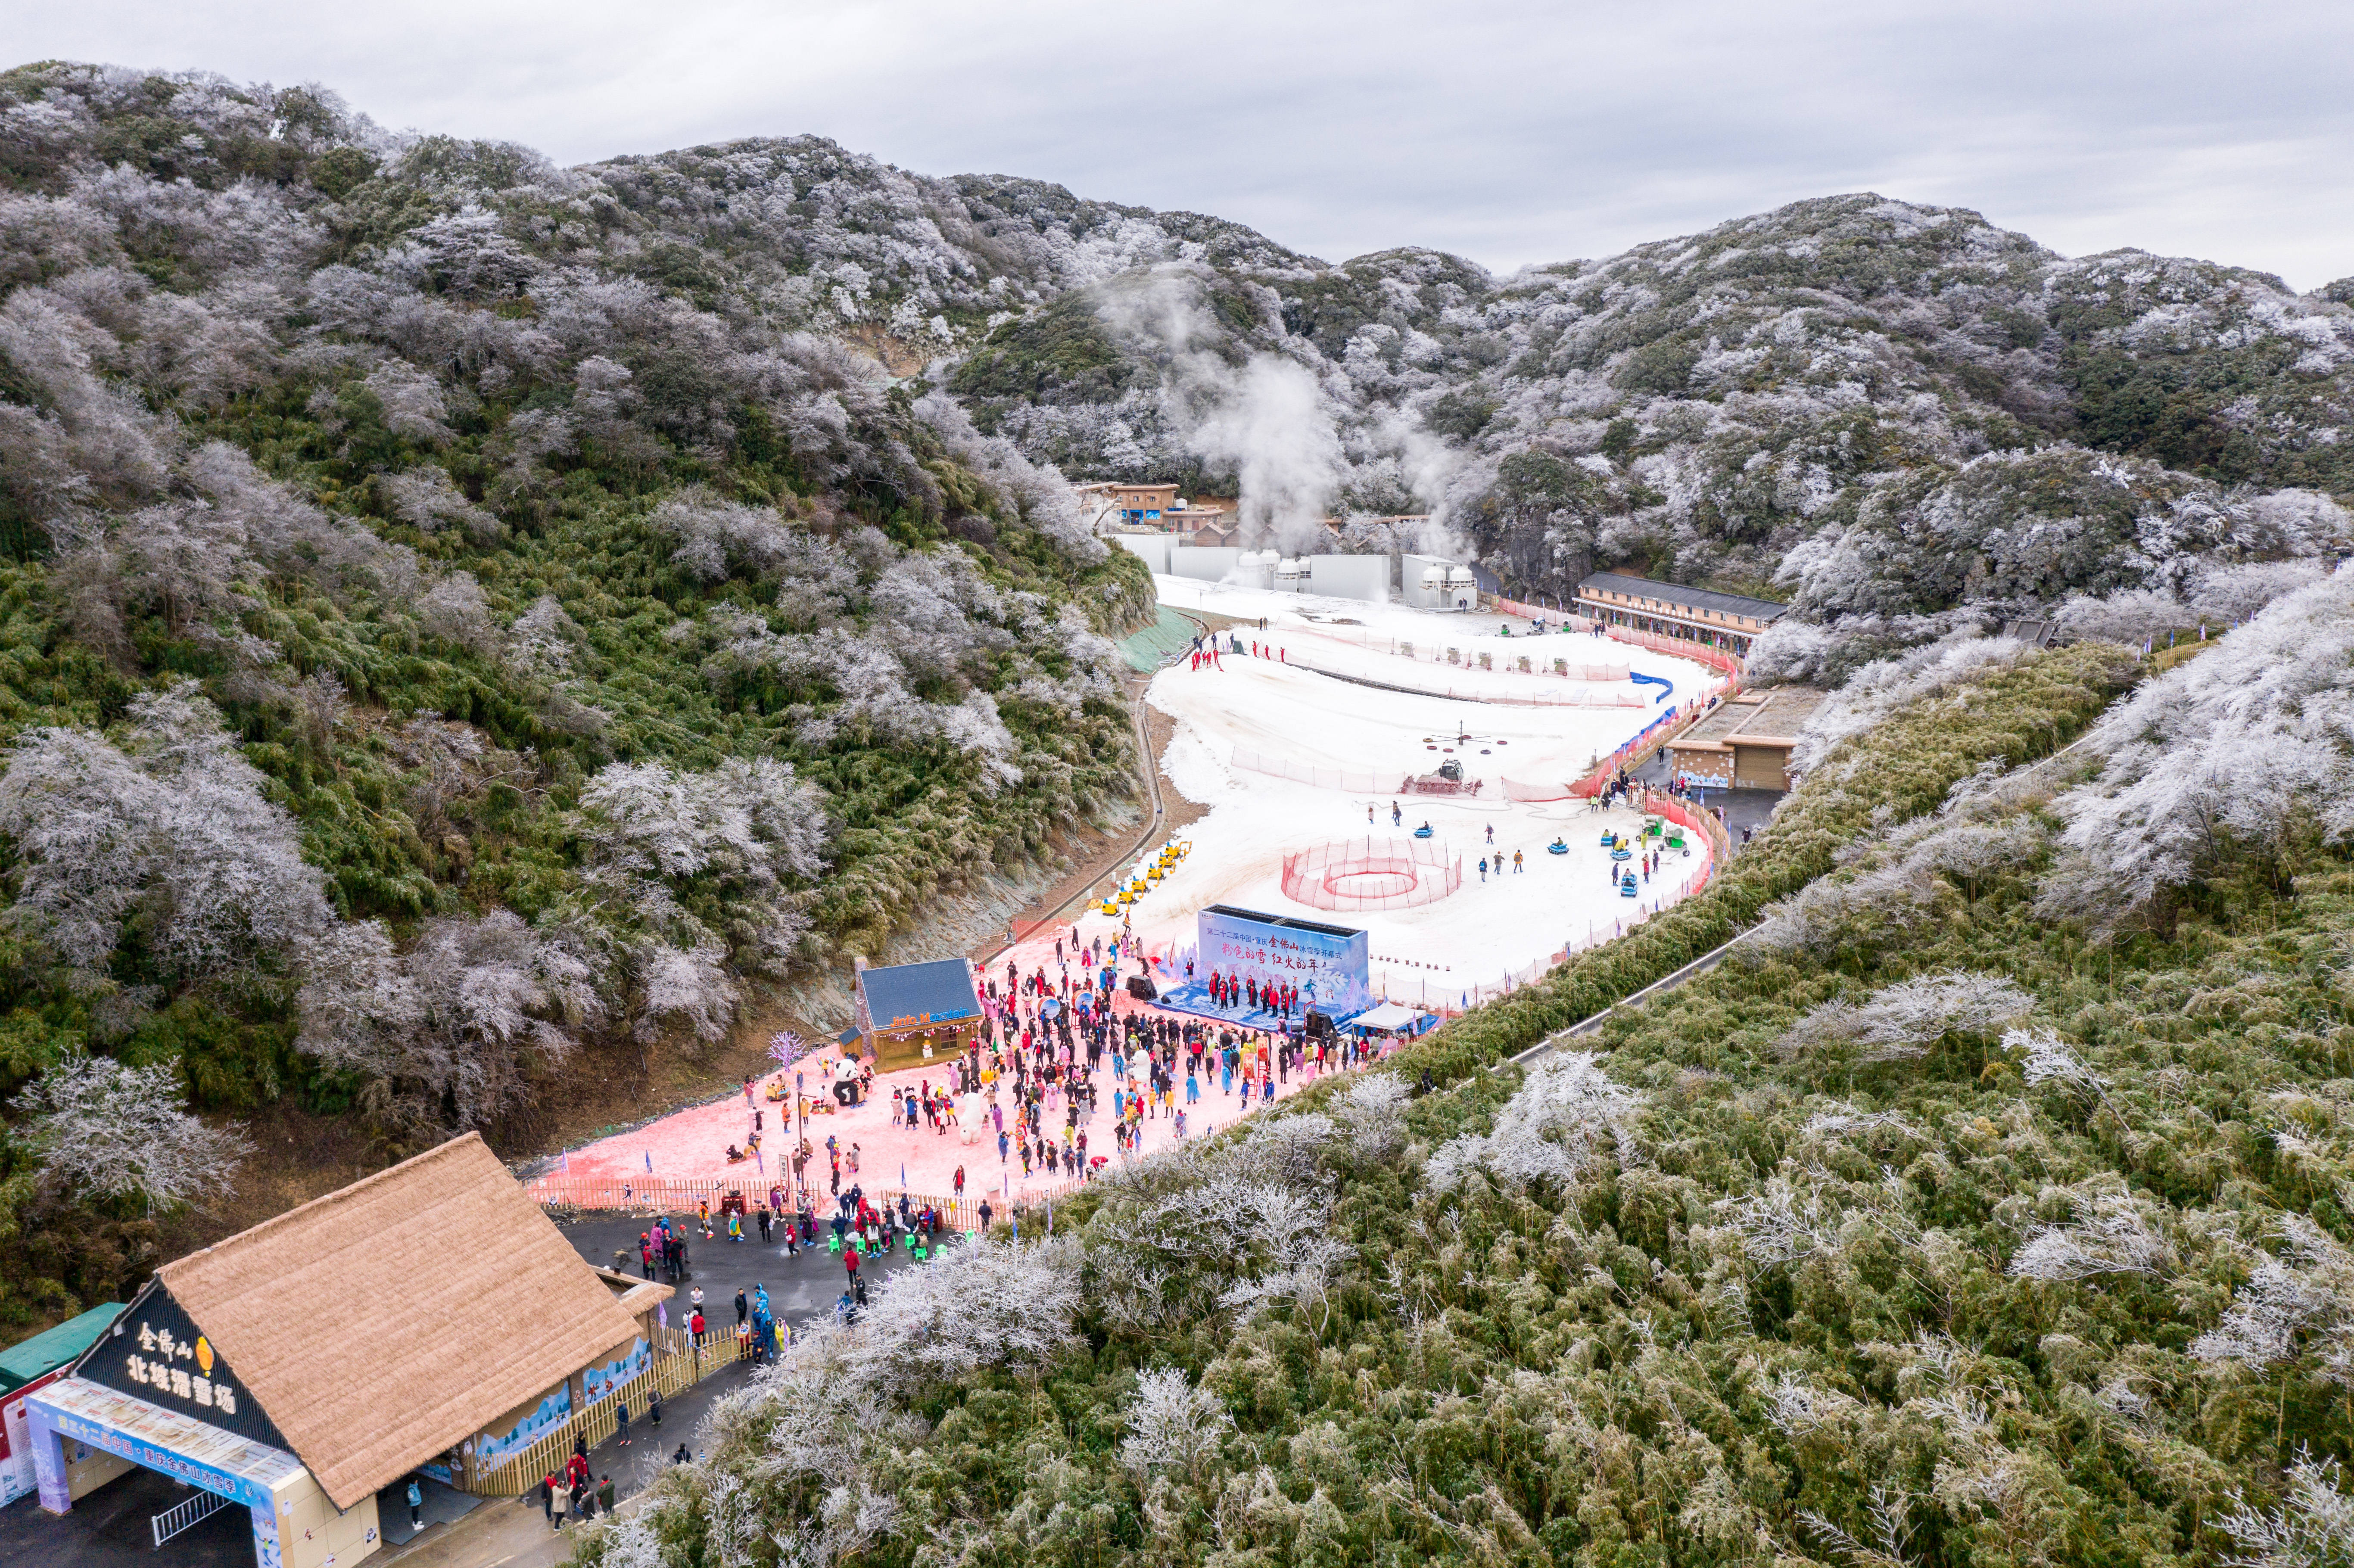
x=909, y=1012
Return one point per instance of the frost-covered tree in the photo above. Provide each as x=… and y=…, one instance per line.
x=1903, y=1021
x=2219, y=757
x=2312, y=1525
x=1171, y=1425
x=1371, y=1113
x=702, y=862
x=2107, y=1232
x=822, y=1434
x=1566, y=1116
x=987, y=1303
x=2300, y=1302
x=166, y=838
x=114, y=1131
x=459, y=1025
x=716, y=537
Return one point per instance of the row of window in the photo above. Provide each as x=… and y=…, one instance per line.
x=1655, y=607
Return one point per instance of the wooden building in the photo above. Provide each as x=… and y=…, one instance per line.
x=1726, y=620
x=912, y=1013
x=1745, y=743
x=428, y=1318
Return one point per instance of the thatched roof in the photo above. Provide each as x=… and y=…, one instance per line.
x=383, y=1323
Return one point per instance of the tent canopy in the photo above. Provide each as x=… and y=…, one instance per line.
x=53, y=1348
x=1388, y=1015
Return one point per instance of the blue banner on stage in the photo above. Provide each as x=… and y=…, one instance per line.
x=1332, y=965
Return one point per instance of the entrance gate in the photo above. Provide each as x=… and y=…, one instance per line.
x=183, y=1515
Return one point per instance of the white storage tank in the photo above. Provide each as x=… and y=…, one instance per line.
x=1287, y=575
x=1462, y=589
x=1256, y=568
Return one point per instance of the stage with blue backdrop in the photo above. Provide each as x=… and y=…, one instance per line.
x=1331, y=965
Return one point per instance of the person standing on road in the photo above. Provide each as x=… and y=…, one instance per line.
x=622, y=1423
x=547, y=1499
x=743, y=1307
x=416, y=1504
x=559, y=1498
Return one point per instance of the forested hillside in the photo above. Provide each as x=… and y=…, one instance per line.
x=1901, y=418
x=458, y=614
x=1989, y=1205
x=436, y=638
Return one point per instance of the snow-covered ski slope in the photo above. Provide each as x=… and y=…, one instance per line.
x=1275, y=709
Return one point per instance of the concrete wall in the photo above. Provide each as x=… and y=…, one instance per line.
x=1207, y=562
x=1363, y=578
x=1152, y=548
x=312, y=1533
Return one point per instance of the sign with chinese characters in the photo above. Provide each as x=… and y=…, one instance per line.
x=79, y=1412
x=1328, y=963
x=155, y=1352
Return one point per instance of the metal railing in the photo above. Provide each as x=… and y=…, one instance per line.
x=183, y=1515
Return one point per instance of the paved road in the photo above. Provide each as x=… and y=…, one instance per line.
x=1742, y=808
x=798, y=1287
x=109, y=1529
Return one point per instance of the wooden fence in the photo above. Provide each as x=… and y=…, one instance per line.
x=678, y=1364
x=680, y=1195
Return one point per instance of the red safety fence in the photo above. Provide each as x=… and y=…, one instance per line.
x=1648, y=740
x=1722, y=660
x=1719, y=659
x=1372, y=874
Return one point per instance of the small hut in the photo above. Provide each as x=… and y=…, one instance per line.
x=909, y=1013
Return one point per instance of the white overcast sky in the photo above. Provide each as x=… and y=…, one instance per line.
x=1510, y=132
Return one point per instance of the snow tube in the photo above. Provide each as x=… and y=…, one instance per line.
x=1422, y=832
x=1556, y=847
x=1667, y=687
x=1622, y=854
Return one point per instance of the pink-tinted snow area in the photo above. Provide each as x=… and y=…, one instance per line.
x=692, y=1143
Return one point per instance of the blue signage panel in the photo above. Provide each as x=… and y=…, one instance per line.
x=95, y=1433
x=1329, y=964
